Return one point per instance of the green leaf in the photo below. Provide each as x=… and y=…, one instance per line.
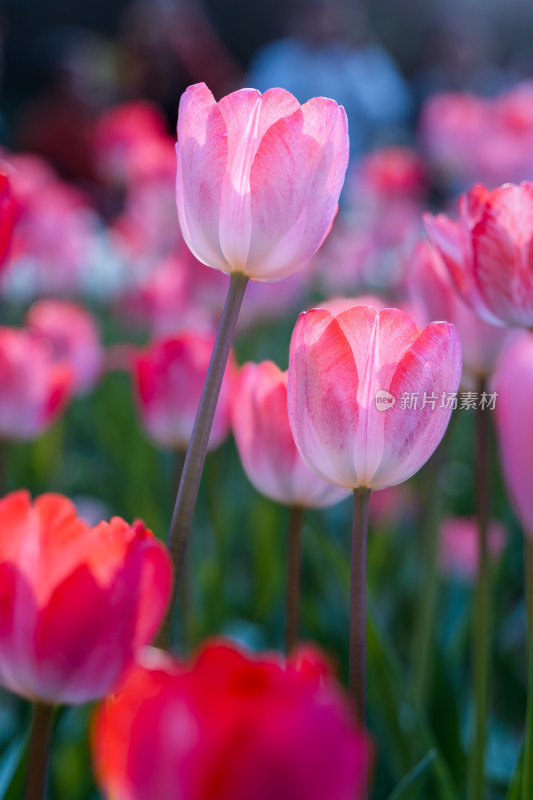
x=515, y=787
x=410, y=787
x=378, y=638
x=13, y=767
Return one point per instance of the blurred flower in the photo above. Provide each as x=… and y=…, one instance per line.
x=513, y=381
x=120, y=133
x=34, y=387
x=77, y=601
x=55, y=231
x=8, y=216
x=459, y=545
x=390, y=172
x=169, y=377
x=470, y=138
x=436, y=298
x=228, y=726
x=259, y=178
x=365, y=393
x=488, y=253
x=73, y=333
x=264, y=440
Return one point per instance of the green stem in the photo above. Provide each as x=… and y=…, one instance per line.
x=194, y=460
x=358, y=612
x=424, y=627
x=293, y=577
x=481, y=654
x=3, y=467
x=41, y=732
x=527, y=773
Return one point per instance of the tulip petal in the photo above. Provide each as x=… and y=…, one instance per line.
x=378, y=342
x=296, y=179
x=322, y=397
x=247, y=115
x=412, y=434
x=502, y=243
x=202, y=153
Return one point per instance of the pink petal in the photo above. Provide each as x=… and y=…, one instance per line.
x=296, y=179
x=432, y=365
x=202, y=153
x=247, y=115
x=503, y=253
x=378, y=342
x=322, y=397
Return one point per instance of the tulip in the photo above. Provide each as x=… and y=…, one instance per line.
x=273, y=465
x=513, y=381
x=353, y=381
x=168, y=376
x=35, y=388
x=241, y=726
x=488, y=252
x=351, y=378
x=77, y=601
x=437, y=299
x=257, y=188
x=259, y=178
x=264, y=440
x=72, y=331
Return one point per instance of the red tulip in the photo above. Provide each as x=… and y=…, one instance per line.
x=169, y=376
x=265, y=444
x=437, y=298
x=368, y=393
x=73, y=334
x=34, y=388
x=259, y=178
x=229, y=726
x=8, y=217
x=77, y=601
x=489, y=252
x=513, y=381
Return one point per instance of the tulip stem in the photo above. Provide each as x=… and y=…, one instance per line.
x=194, y=461
x=293, y=577
x=358, y=613
x=41, y=732
x=424, y=629
x=481, y=633
x=527, y=774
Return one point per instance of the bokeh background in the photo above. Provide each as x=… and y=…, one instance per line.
x=64, y=66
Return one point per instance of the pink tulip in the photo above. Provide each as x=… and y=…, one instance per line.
x=259, y=178
x=459, y=545
x=436, y=298
x=488, y=253
x=77, y=602
x=169, y=376
x=265, y=444
x=229, y=726
x=513, y=381
x=73, y=334
x=354, y=382
x=34, y=387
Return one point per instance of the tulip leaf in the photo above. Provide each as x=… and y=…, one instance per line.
x=12, y=767
x=378, y=641
x=410, y=787
x=515, y=787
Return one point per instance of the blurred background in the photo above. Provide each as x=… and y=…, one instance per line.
x=89, y=93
